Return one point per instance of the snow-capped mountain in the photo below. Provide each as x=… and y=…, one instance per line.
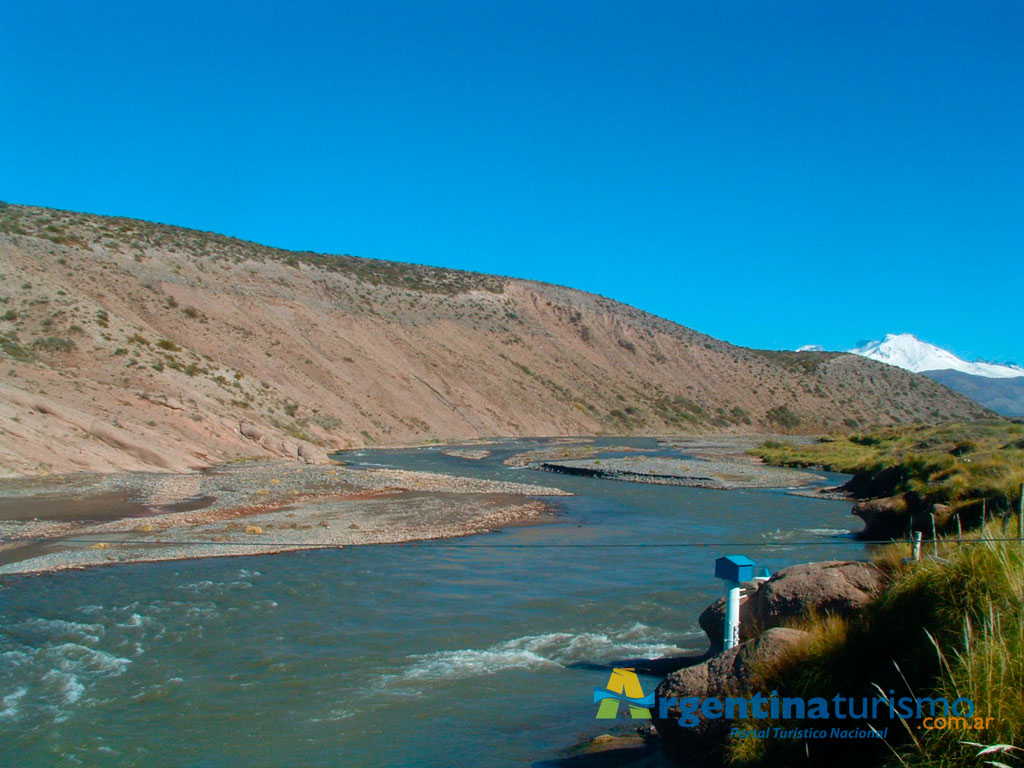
x=907, y=351
x=997, y=386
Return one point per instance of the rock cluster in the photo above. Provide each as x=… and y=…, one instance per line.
x=834, y=587
x=302, y=451
x=894, y=517
x=721, y=676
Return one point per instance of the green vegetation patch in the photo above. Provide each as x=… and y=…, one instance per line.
x=54, y=344
x=950, y=626
x=803, y=363
x=14, y=349
x=781, y=416
x=959, y=464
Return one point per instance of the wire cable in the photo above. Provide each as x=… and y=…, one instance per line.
x=436, y=544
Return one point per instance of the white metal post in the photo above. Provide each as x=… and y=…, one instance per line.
x=732, y=614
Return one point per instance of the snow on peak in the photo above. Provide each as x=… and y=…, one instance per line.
x=907, y=351
x=811, y=348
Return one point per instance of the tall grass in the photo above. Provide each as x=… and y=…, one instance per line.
x=956, y=464
x=951, y=625
x=985, y=663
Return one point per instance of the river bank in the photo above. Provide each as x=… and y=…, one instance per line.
x=259, y=507
x=486, y=648
x=268, y=506
x=693, y=473
x=717, y=462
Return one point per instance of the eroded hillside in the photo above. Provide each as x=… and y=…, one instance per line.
x=127, y=344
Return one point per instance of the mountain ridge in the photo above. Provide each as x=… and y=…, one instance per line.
x=1003, y=395
x=906, y=351
x=133, y=345
x=997, y=386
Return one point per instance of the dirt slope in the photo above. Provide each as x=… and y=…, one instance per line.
x=126, y=344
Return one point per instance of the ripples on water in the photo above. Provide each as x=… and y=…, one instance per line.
x=384, y=655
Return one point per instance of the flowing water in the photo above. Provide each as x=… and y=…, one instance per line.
x=478, y=651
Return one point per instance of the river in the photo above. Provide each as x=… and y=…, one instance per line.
x=481, y=651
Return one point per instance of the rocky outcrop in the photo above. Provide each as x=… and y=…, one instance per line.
x=302, y=451
x=894, y=517
x=158, y=398
x=836, y=587
x=828, y=587
x=722, y=676
x=252, y=431
x=839, y=587
x=311, y=454
x=267, y=440
x=884, y=519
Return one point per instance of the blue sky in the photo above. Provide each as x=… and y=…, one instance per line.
x=771, y=173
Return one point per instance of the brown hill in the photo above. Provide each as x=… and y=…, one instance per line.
x=128, y=344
